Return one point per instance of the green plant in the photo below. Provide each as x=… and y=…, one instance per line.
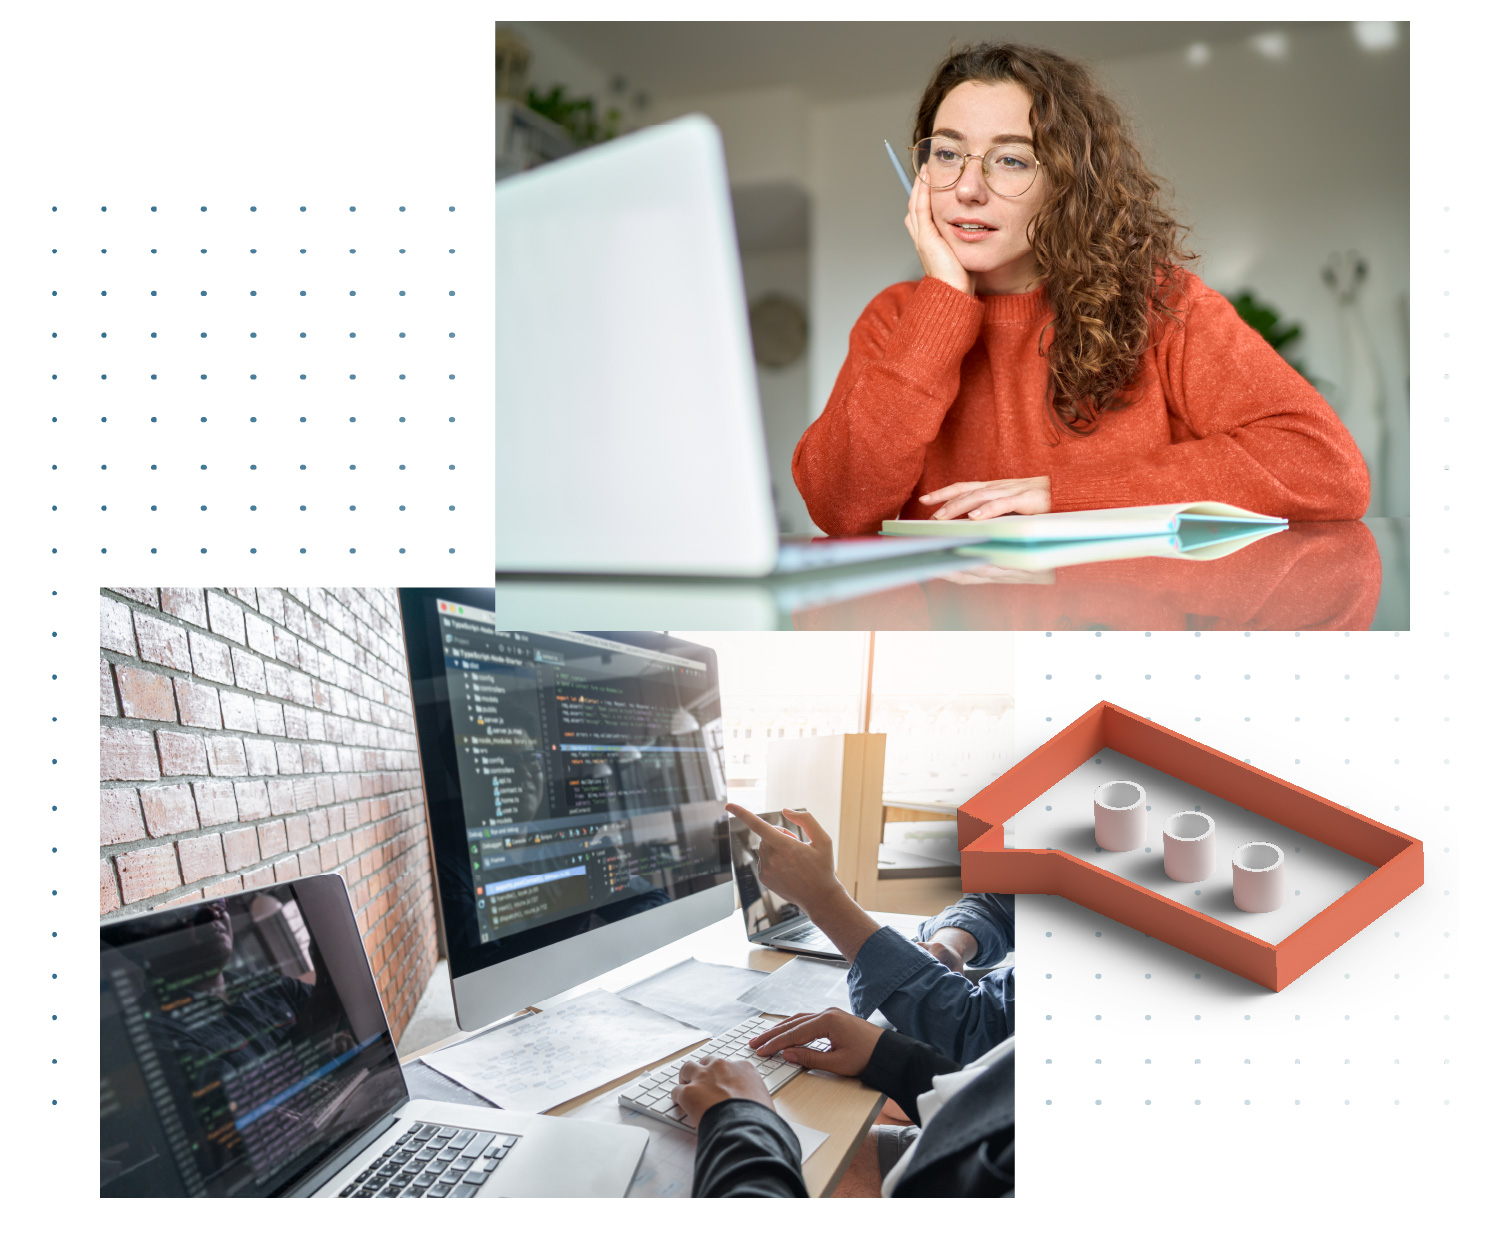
x=576, y=115
x=1268, y=323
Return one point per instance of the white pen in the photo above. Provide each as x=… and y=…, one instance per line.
x=897, y=165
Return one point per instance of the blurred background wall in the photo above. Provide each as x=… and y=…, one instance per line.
x=1285, y=146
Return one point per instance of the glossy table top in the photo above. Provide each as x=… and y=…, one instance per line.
x=1314, y=575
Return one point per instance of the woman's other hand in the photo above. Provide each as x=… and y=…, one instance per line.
x=937, y=257
x=977, y=501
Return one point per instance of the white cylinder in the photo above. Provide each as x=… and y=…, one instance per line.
x=1188, y=846
x=1260, y=873
x=1120, y=816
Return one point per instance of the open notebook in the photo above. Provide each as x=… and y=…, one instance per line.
x=1193, y=540
x=1091, y=523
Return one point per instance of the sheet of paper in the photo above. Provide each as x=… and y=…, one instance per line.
x=564, y=1051
x=803, y=984
x=666, y=1169
x=697, y=993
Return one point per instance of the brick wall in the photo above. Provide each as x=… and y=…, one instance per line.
x=254, y=735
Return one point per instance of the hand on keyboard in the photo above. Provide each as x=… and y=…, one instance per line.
x=851, y=1040
x=702, y=1085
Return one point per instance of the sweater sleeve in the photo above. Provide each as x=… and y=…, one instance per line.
x=902, y=1068
x=859, y=462
x=745, y=1150
x=1258, y=434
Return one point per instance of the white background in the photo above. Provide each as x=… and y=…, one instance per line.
x=329, y=105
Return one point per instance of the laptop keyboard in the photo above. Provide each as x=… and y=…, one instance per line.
x=433, y=1162
x=651, y=1094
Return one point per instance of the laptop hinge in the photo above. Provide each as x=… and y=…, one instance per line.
x=312, y=1182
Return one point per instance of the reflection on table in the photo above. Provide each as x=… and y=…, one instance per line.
x=1316, y=575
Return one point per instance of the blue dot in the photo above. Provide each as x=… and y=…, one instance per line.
x=153, y=508
x=303, y=209
x=351, y=508
x=303, y=293
x=153, y=209
x=252, y=250
x=402, y=550
x=351, y=334
x=450, y=251
x=351, y=251
x=351, y=377
x=302, y=419
x=351, y=466
x=302, y=466
x=153, y=293
x=303, y=377
x=450, y=551
x=402, y=251
x=401, y=293
x=252, y=209
x=399, y=376
x=252, y=551
x=453, y=419
x=402, y=209
x=450, y=208
x=252, y=508
x=303, y=550
x=203, y=508
x=451, y=507
x=203, y=550
x=351, y=551
x=252, y=293
x=252, y=334
x=303, y=250
x=303, y=335
x=401, y=334
x=401, y=466
x=252, y=419
x=203, y=251
x=401, y=419
x=203, y=377
x=153, y=251
x=450, y=334
x=101, y=293
x=399, y=508
x=302, y=508
x=450, y=377
x=204, y=209
x=153, y=335
x=351, y=293
x=351, y=419
x=153, y=550
x=203, y=293
x=102, y=209
x=351, y=208
x=450, y=293
x=203, y=334
x=153, y=378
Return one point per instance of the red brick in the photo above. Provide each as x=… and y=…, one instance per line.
x=181, y=753
x=109, y=893
x=216, y=802
x=286, y=870
x=186, y=897
x=328, y=853
x=295, y=720
x=273, y=838
x=279, y=791
x=304, y=794
x=239, y=711
x=288, y=758
x=259, y=878
x=268, y=717
x=197, y=705
x=120, y=816
x=227, y=887
x=226, y=617
x=343, y=849
x=250, y=797
x=272, y=603
x=126, y=755
x=240, y=848
x=298, y=834
x=169, y=809
x=278, y=681
x=162, y=643
x=186, y=603
x=109, y=705
x=141, y=594
x=115, y=631
x=336, y=820
x=226, y=756
x=258, y=635
x=200, y=857
x=318, y=824
x=149, y=871
x=307, y=862
x=260, y=756
x=145, y=695
x=211, y=659
x=250, y=671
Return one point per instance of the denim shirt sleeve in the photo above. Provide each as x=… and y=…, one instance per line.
x=926, y=1001
x=990, y=919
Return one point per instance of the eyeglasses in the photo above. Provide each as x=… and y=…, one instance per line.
x=1009, y=169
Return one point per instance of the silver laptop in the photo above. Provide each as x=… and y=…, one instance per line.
x=244, y=1052
x=629, y=436
x=777, y=922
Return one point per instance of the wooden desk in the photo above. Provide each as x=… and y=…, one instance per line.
x=841, y=1107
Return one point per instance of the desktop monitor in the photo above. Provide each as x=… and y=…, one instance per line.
x=575, y=796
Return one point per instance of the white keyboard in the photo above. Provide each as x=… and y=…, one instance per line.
x=651, y=1094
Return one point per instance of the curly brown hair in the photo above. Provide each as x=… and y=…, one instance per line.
x=1108, y=251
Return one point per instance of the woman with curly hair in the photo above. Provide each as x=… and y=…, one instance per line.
x=1056, y=356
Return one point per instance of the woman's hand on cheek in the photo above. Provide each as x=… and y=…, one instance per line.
x=937, y=257
x=978, y=501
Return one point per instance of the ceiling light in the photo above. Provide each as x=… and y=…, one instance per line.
x=1198, y=54
x=1272, y=45
x=1376, y=36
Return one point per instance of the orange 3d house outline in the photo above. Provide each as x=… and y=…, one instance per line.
x=987, y=864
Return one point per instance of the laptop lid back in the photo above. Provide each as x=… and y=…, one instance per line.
x=242, y=1043
x=764, y=910
x=629, y=435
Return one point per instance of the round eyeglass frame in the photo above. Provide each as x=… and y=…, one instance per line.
x=968, y=157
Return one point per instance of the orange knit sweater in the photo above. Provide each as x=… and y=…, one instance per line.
x=941, y=387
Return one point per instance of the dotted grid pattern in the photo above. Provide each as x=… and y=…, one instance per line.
x=1127, y=1040
x=254, y=735
x=226, y=385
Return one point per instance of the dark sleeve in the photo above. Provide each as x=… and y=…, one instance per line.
x=745, y=1150
x=902, y=1068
